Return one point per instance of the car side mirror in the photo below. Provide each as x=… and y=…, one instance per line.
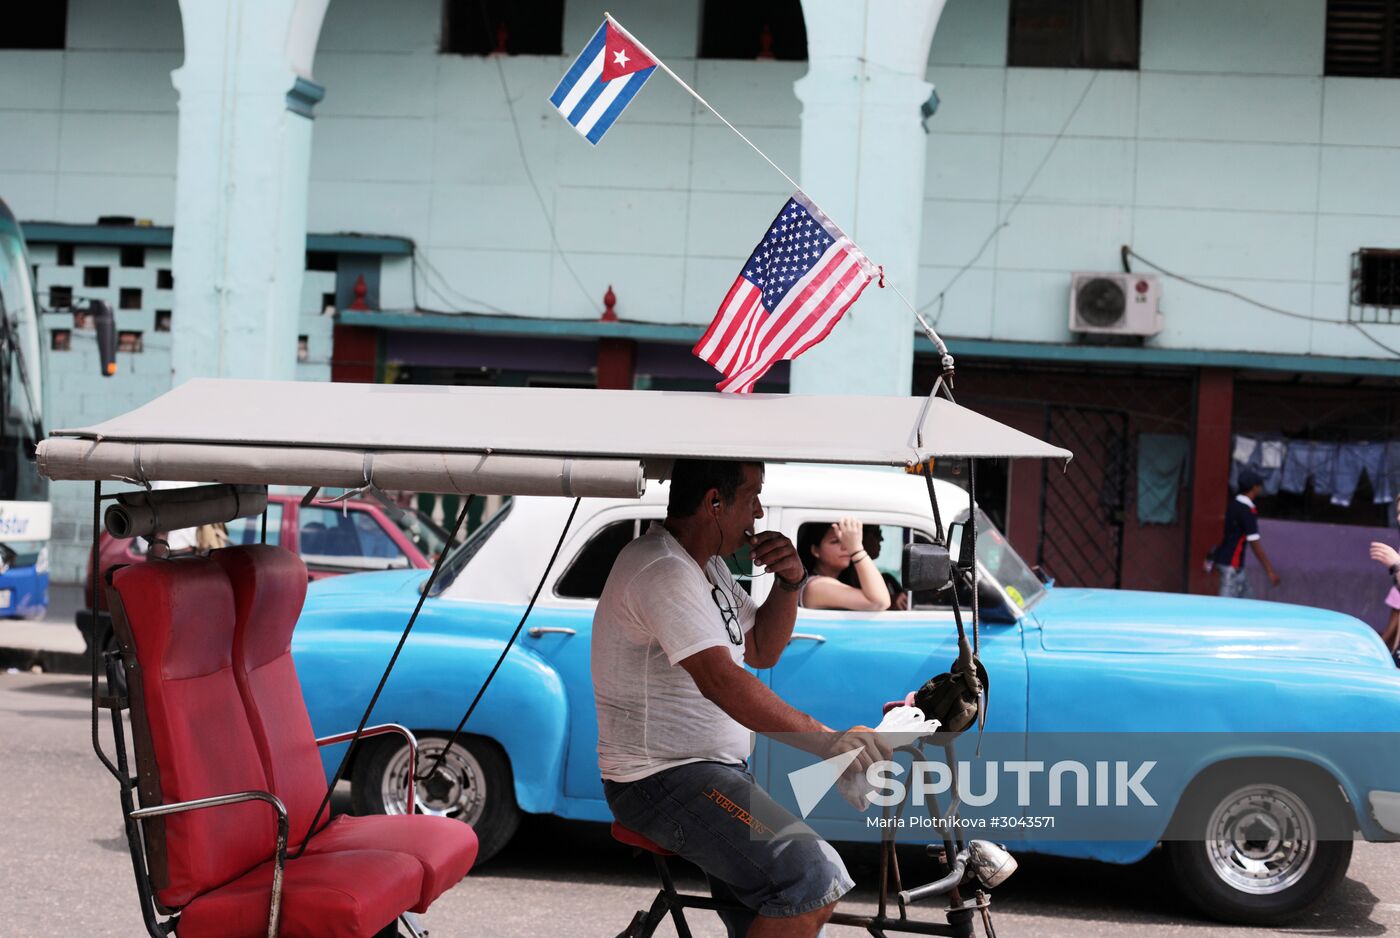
x=961, y=550
x=926, y=567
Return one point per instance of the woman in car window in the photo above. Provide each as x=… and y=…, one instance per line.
x=827, y=550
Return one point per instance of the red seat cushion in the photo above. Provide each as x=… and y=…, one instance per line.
x=269, y=587
x=633, y=839
x=181, y=617
x=446, y=848
x=349, y=894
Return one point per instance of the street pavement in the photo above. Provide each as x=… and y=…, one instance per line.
x=65, y=871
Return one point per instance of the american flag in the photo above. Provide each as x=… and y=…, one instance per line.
x=796, y=284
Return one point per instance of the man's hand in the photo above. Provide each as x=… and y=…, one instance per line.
x=872, y=748
x=1384, y=554
x=774, y=551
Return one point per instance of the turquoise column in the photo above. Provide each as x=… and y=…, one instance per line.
x=241, y=185
x=863, y=157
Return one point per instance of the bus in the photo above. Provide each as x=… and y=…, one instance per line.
x=25, y=513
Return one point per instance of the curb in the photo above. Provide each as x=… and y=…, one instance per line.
x=51, y=662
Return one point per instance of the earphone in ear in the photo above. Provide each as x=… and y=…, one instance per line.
x=715, y=504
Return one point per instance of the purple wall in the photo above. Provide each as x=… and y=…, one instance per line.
x=1326, y=565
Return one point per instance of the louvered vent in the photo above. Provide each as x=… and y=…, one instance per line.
x=1362, y=38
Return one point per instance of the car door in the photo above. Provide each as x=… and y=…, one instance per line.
x=842, y=667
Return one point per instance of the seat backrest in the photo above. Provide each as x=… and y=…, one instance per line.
x=192, y=736
x=269, y=587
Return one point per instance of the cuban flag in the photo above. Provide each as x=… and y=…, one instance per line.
x=794, y=288
x=604, y=78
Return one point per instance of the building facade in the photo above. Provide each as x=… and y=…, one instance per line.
x=1222, y=141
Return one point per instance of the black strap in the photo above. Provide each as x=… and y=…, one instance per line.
x=384, y=679
x=437, y=763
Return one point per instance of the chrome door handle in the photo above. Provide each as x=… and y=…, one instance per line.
x=806, y=637
x=535, y=631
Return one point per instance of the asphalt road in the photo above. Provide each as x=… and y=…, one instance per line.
x=64, y=868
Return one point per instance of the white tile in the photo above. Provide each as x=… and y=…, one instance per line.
x=753, y=93
x=1231, y=107
x=1249, y=36
x=966, y=310
x=374, y=26
x=392, y=208
x=489, y=216
x=953, y=231
x=1272, y=177
x=632, y=156
x=1360, y=180
x=1063, y=238
x=969, y=98
x=971, y=32
x=1031, y=306
x=30, y=141
x=729, y=225
x=1196, y=318
x=648, y=289
x=724, y=163
x=509, y=282
x=617, y=221
x=1363, y=111
x=378, y=84
x=118, y=143
x=962, y=166
x=487, y=152
x=120, y=81
x=82, y=197
x=1041, y=100
x=371, y=149
x=31, y=79
x=131, y=24
x=1089, y=170
x=1242, y=245
x=1340, y=236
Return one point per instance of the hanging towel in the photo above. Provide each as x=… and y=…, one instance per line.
x=1161, y=464
x=1243, y=452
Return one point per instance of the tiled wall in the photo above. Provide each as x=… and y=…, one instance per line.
x=75, y=392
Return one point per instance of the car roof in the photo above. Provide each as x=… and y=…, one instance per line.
x=510, y=564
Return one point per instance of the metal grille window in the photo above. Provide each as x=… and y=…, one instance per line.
x=1375, y=286
x=503, y=27
x=753, y=29
x=1075, y=34
x=1362, y=38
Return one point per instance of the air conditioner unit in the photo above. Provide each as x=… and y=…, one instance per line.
x=1114, y=304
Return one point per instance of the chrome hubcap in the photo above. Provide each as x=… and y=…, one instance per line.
x=1261, y=839
x=456, y=790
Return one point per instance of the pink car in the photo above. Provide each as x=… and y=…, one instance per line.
x=331, y=538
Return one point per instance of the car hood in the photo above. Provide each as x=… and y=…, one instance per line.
x=1141, y=623
x=352, y=586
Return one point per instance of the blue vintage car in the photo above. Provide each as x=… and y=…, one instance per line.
x=1275, y=716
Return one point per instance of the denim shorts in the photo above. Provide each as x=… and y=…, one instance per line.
x=751, y=849
x=1234, y=582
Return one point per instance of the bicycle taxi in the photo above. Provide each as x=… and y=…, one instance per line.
x=227, y=812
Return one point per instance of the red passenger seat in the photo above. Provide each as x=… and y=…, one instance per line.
x=193, y=740
x=269, y=587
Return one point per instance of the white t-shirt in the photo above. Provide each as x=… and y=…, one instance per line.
x=657, y=609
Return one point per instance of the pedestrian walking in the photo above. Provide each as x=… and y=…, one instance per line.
x=1241, y=528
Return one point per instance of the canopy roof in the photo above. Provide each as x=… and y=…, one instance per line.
x=289, y=431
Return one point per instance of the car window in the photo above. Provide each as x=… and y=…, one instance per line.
x=425, y=534
x=350, y=539
x=885, y=544
x=249, y=530
x=586, y=575
x=457, y=561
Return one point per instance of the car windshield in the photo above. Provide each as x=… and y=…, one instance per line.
x=423, y=532
x=457, y=561
x=1003, y=564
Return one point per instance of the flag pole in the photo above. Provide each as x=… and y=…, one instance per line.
x=696, y=95
x=945, y=358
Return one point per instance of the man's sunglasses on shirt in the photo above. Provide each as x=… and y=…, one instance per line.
x=726, y=611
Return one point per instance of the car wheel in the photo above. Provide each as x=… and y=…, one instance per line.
x=1251, y=851
x=473, y=785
